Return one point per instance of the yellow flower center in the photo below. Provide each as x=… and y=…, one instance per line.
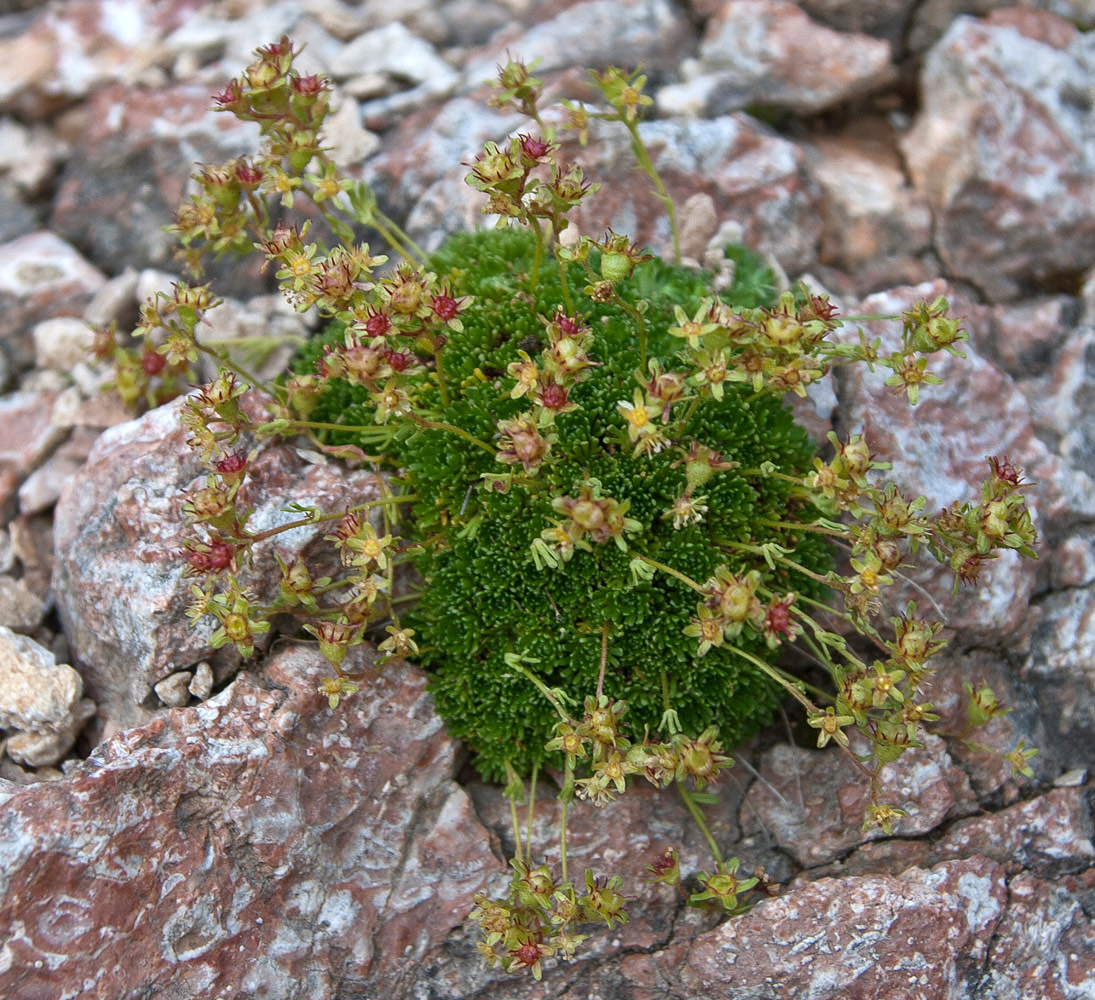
x=638, y=417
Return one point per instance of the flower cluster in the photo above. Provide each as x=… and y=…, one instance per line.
x=528, y=397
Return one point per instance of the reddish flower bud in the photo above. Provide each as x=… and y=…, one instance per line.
x=308, y=86
x=228, y=98
x=445, y=307
x=534, y=149
x=398, y=360
x=248, y=174
x=152, y=363
x=378, y=324
x=231, y=465
x=554, y=397
x=1003, y=470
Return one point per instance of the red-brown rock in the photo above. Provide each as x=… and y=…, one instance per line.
x=914, y=936
x=257, y=845
x=813, y=804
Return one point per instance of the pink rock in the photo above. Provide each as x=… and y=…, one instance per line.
x=119, y=532
x=754, y=178
x=1073, y=563
x=1037, y=25
x=980, y=752
x=938, y=450
x=1044, y=944
x=1005, y=157
x=915, y=936
x=72, y=50
x=256, y=845
x=28, y=433
x=147, y=141
x=41, y=276
x=622, y=838
x=769, y=52
x=1048, y=832
x=877, y=228
x=432, y=143
x=42, y=487
x=1024, y=335
x=813, y=803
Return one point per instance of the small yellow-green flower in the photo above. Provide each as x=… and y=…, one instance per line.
x=830, y=726
x=695, y=329
x=399, y=641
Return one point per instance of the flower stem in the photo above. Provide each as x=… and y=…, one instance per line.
x=688, y=581
x=604, y=659
x=648, y=168
x=537, y=257
x=801, y=526
x=777, y=676
x=440, y=425
x=789, y=563
x=697, y=815
x=531, y=810
x=568, y=783
x=564, y=287
x=227, y=362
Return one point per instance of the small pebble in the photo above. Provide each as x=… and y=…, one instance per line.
x=202, y=684
x=173, y=690
x=1071, y=779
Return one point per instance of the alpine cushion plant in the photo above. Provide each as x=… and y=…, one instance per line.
x=619, y=527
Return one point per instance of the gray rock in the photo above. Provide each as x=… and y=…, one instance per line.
x=1061, y=669
x=40, y=276
x=882, y=18
x=394, y=51
x=60, y=343
x=591, y=34
x=44, y=749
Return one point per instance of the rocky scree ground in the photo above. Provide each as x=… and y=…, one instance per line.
x=171, y=826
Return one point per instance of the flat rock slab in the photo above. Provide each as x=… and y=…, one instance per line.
x=258, y=845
